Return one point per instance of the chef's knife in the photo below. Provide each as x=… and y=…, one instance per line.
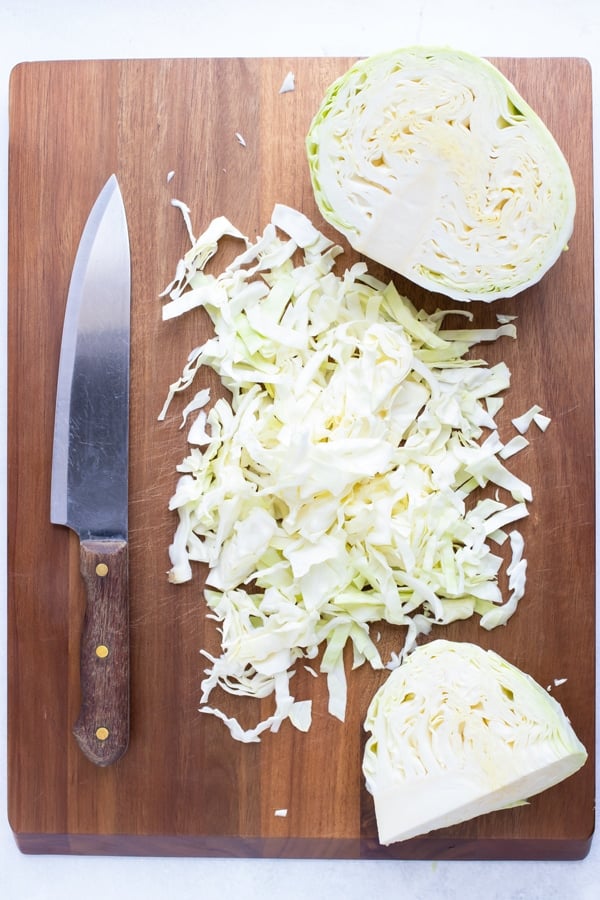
x=90, y=467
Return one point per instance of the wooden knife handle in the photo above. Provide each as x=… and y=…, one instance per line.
x=102, y=729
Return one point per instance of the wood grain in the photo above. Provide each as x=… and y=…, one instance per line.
x=184, y=787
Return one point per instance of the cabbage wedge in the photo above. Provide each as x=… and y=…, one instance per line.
x=457, y=732
x=430, y=162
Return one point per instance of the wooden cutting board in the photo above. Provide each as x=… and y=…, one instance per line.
x=185, y=787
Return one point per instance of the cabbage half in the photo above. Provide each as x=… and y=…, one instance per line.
x=456, y=732
x=431, y=163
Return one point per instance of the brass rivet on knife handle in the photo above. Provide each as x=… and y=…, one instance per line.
x=101, y=570
x=104, y=653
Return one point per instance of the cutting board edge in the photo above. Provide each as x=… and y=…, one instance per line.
x=218, y=847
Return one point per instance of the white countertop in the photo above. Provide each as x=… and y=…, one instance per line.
x=72, y=29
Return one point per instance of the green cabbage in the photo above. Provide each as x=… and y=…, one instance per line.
x=430, y=162
x=339, y=485
x=457, y=732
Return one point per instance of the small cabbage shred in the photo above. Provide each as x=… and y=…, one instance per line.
x=429, y=161
x=338, y=484
x=457, y=732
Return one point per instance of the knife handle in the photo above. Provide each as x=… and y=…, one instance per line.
x=102, y=729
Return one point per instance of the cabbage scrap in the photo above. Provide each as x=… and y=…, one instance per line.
x=336, y=488
x=429, y=161
x=457, y=732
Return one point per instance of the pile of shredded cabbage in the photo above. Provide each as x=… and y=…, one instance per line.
x=334, y=489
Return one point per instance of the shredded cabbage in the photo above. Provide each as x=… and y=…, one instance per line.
x=457, y=732
x=288, y=83
x=336, y=487
x=429, y=161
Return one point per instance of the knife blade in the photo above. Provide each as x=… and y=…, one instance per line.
x=89, y=489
